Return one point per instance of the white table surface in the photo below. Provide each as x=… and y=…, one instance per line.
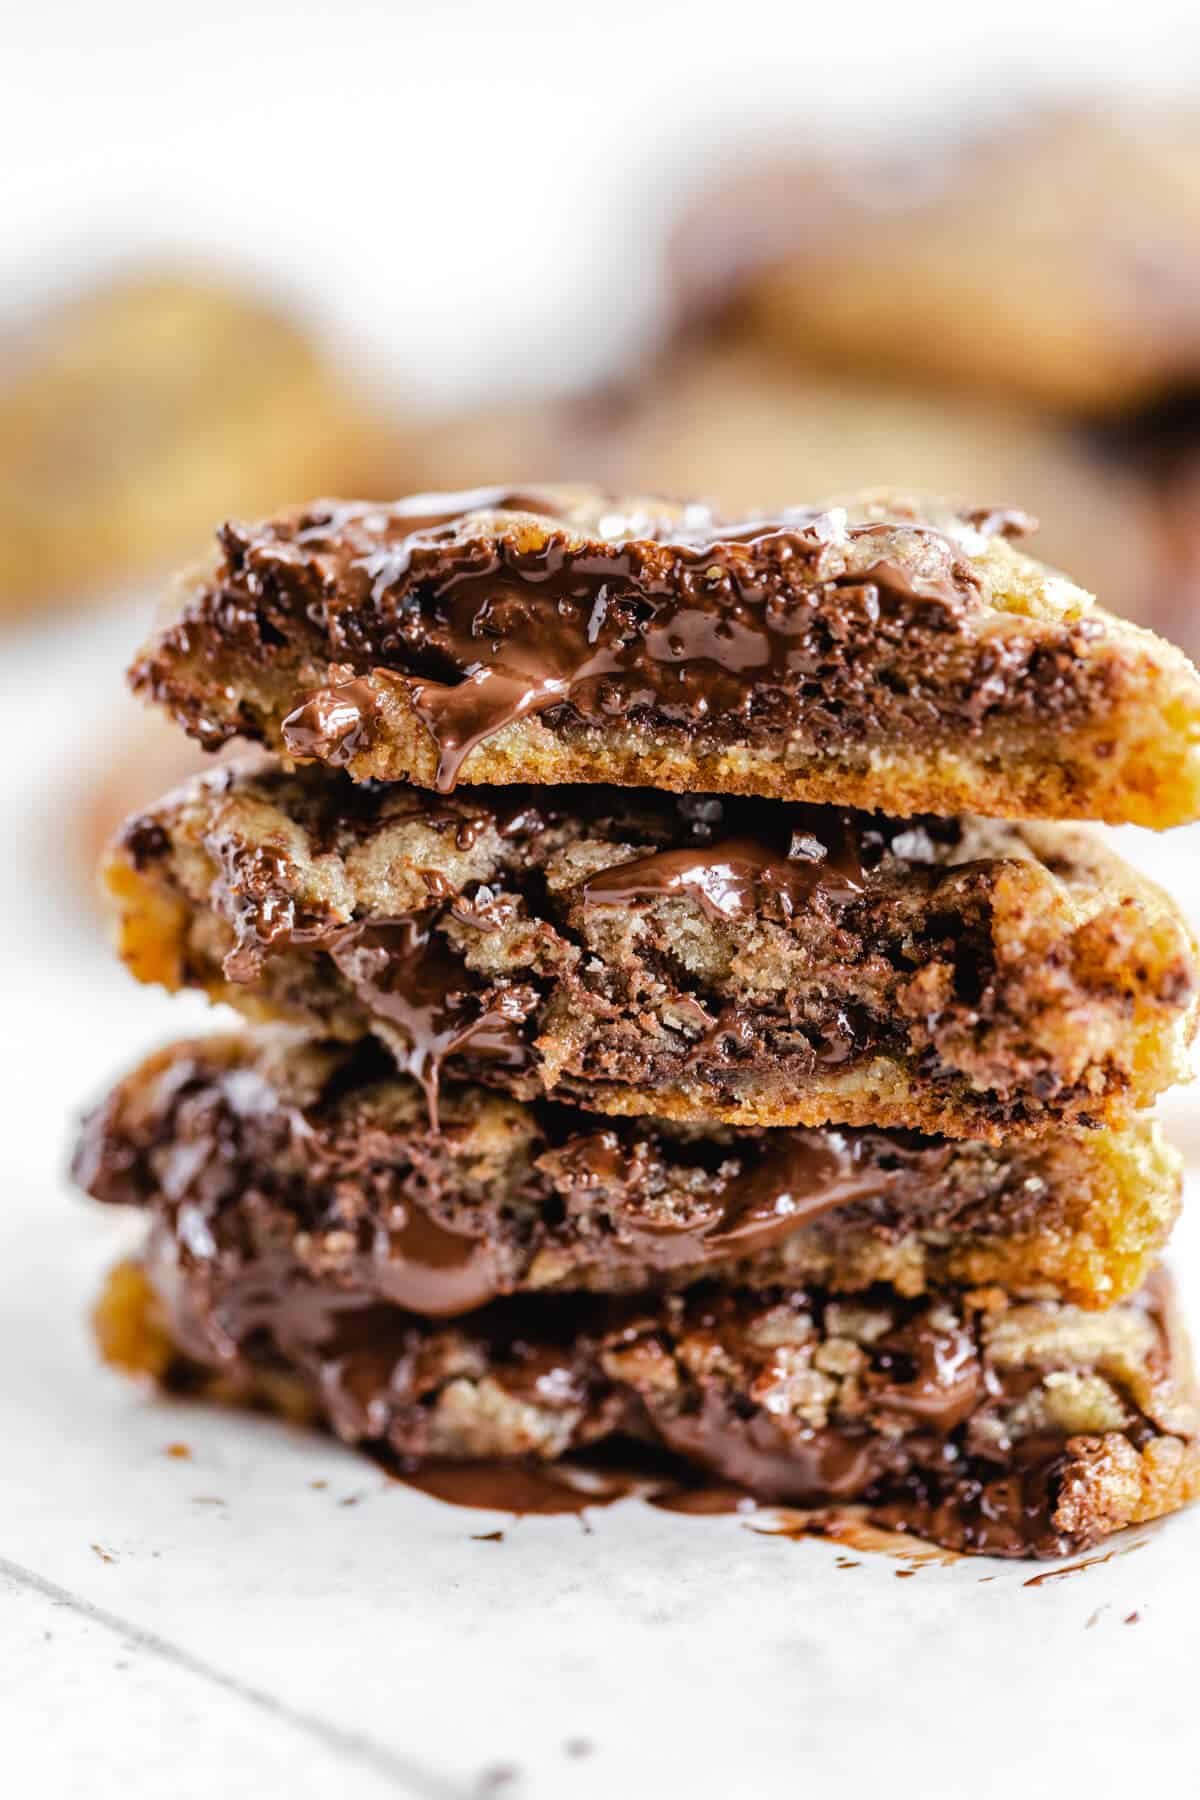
x=221, y=1625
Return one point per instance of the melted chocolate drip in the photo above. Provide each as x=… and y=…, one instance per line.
x=403, y=973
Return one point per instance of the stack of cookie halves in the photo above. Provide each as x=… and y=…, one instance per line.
x=675, y=1010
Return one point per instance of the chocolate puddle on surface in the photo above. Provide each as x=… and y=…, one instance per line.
x=604, y=1476
x=849, y=1527
x=600, y=1478
x=594, y=1478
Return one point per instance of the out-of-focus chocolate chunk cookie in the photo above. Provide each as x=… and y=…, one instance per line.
x=148, y=409
x=1053, y=259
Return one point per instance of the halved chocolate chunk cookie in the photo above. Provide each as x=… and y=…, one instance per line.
x=1015, y=1429
x=884, y=653
x=695, y=958
x=262, y=1145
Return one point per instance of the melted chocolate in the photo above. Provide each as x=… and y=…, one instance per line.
x=426, y=1269
x=848, y=1525
x=703, y=1499
x=807, y=1176
x=1077, y=1568
x=335, y=723
x=930, y=1376
x=838, y=1463
x=742, y=875
x=521, y=1488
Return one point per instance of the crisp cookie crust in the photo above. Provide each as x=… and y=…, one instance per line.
x=267, y=1142
x=1028, y=1429
x=886, y=653
x=695, y=958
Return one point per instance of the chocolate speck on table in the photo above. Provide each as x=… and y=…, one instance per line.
x=1085, y=1562
x=498, y=1776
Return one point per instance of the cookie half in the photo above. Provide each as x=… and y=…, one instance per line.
x=694, y=957
x=261, y=1145
x=1014, y=1429
x=884, y=653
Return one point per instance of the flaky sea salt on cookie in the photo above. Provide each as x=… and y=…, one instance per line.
x=885, y=653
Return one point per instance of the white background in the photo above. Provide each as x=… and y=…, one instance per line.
x=472, y=197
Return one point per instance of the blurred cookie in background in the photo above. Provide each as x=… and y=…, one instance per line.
x=1055, y=259
x=547, y=438
x=1045, y=275
x=134, y=418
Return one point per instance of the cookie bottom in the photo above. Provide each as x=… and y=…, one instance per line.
x=1012, y=1429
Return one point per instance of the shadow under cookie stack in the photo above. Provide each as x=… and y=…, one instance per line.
x=676, y=1012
